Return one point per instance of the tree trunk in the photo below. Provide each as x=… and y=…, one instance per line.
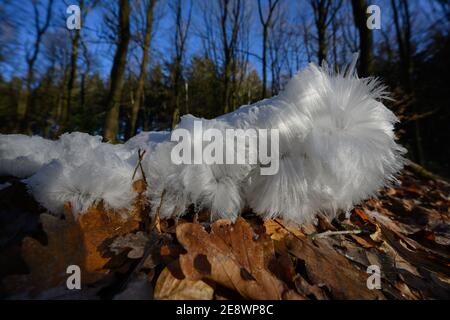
x=176, y=112
x=176, y=83
x=24, y=96
x=264, y=64
x=226, y=86
x=72, y=77
x=22, y=105
x=83, y=92
x=321, y=13
x=143, y=70
x=403, y=33
x=365, y=37
x=322, y=51
x=334, y=39
x=118, y=69
x=181, y=33
x=266, y=24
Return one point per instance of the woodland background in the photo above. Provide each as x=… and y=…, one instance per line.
x=140, y=64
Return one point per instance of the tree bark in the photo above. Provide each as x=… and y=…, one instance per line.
x=320, y=9
x=72, y=77
x=365, y=37
x=230, y=47
x=227, y=59
x=143, y=69
x=403, y=32
x=265, y=23
x=181, y=33
x=324, y=13
x=117, y=72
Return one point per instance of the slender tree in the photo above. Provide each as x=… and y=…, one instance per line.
x=117, y=72
x=225, y=42
x=144, y=40
x=281, y=42
x=182, y=25
x=31, y=58
x=324, y=13
x=230, y=22
x=266, y=21
x=402, y=23
x=75, y=42
x=365, y=37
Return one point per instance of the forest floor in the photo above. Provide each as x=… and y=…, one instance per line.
x=404, y=234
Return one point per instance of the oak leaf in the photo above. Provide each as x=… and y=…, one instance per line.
x=71, y=241
x=231, y=256
x=170, y=288
x=324, y=265
x=134, y=242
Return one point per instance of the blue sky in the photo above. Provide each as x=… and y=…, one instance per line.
x=22, y=13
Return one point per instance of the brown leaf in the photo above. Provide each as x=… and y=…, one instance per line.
x=170, y=288
x=137, y=242
x=305, y=288
x=139, y=186
x=277, y=230
x=98, y=225
x=361, y=214
x=326, y=266
x=364, y=242
x=419, y=257
x=71, y=241
x=231, y=256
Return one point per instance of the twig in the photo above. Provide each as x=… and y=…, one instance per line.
x=157, y=222
x=141, y=154
x=421, y=116
x=332, y=233
x=421, y=171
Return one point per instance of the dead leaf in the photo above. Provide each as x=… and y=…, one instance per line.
x=277, y=230
x=419, y=257
x=362, y=241
x=170, y=288
x=326, y=266
x=406, y=291
x=231, y=256
x=71, y=242
x=137, y=242
x=309, y=290
x=361, y=214
x=98, y=225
